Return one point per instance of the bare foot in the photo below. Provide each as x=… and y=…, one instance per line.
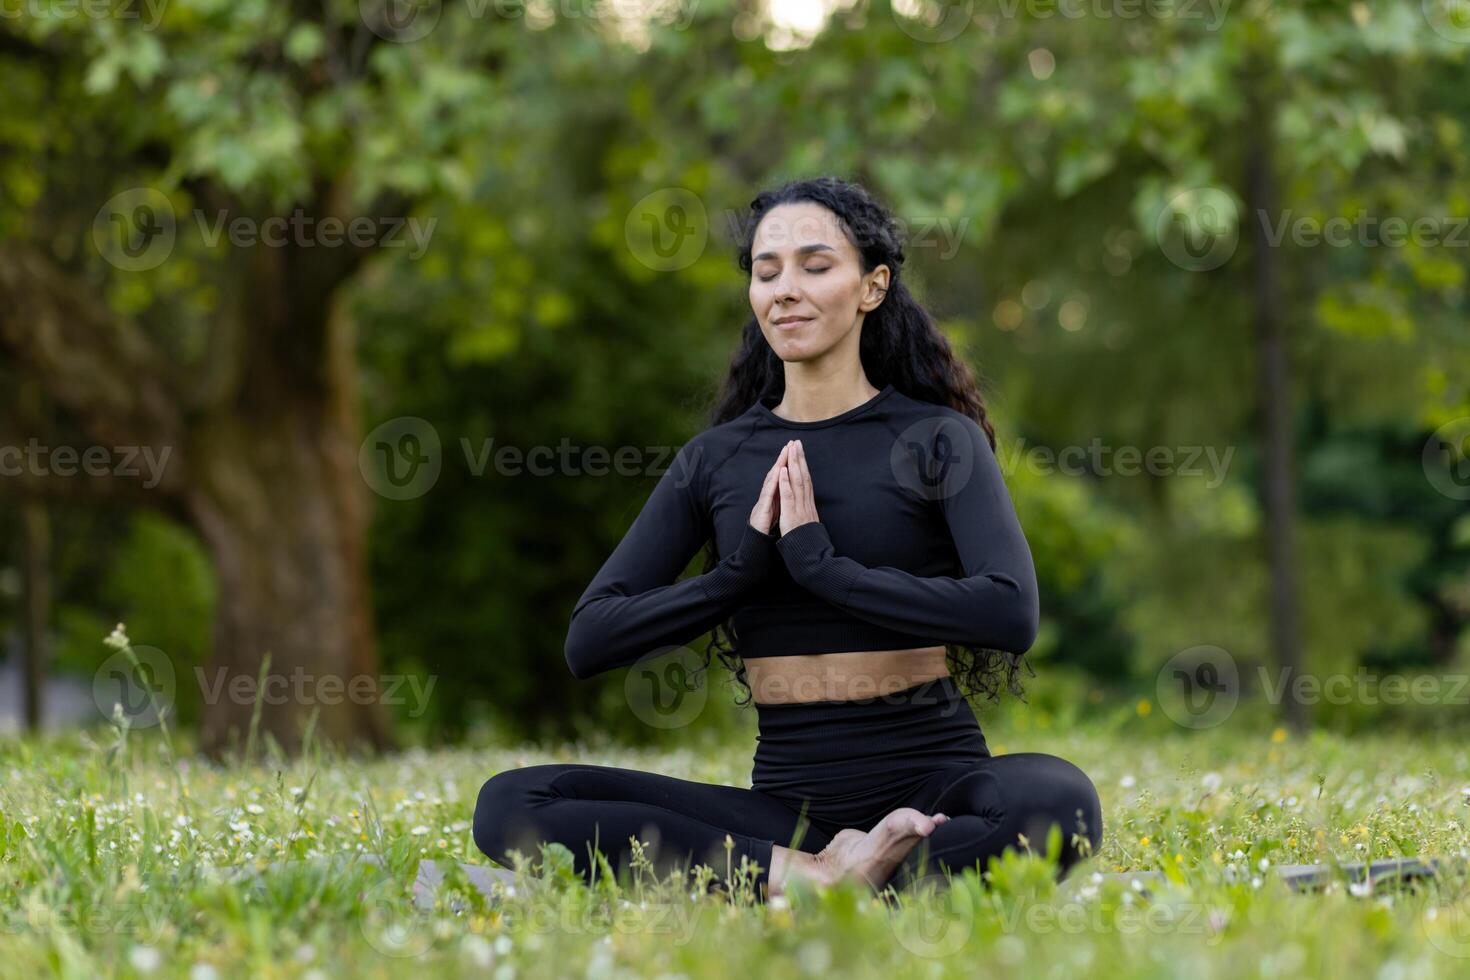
x=874, y=856
x=853, y=853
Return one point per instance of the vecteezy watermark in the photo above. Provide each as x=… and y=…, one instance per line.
x=1100, y=459
x=932, y=459
x=137, y=229
x=937, y=919
x=406, y=21
x=938, y=232
x=302, y=687
x=1200, y=687
x=581, y=460
x=1365, y=230
x=1442, y=916
x=398, y=927
x=933, y=21
x=148, y=13
x=857, y=686
x=1365, y=687
x=668, y=229
x=936, y=22
x=402, y=459
x=937, y=457
x=1198, y=229
x=400, y=21
x=35, y=459
x=393, y=924
x=1447, y=459
x=137, y=686
x=665, y=688
x=1450, y=19
x=137, y=915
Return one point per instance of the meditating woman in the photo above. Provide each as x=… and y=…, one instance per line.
x=849, y=480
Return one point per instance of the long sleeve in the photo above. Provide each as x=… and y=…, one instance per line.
x=994, y=606
x=634, y=605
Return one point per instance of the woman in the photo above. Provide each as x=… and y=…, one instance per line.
x=849, y=424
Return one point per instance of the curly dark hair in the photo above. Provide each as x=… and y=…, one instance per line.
x=900, y=345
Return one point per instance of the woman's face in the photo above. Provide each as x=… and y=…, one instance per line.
x=807, y=286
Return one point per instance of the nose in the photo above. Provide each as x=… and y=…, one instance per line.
x=786, y=288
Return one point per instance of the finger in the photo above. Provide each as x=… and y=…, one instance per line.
x=780, y=459
x=800, y=478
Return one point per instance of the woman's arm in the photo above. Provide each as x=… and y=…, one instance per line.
x=994, y=606
x=633, y=604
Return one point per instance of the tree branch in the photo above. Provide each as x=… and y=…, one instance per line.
x=99, y=366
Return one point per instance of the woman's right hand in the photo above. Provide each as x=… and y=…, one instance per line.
x=768, y=503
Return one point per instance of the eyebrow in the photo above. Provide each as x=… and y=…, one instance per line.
x=804, y=250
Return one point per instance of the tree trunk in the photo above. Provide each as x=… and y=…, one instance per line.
x=1274, y=391
x=290, y=560
x=263, y=464
x=282, y=507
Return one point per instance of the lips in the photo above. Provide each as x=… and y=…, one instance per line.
x=789, y=324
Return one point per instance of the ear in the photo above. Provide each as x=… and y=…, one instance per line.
x=876, y=287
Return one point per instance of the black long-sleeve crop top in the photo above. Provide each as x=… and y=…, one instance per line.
x=917, y=544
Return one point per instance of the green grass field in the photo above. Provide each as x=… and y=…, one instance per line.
x=106, y=846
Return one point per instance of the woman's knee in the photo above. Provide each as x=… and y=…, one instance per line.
x=1059, y=792
x=502, y=809
x=1076, y=802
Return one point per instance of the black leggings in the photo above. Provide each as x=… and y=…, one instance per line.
x=819, y=767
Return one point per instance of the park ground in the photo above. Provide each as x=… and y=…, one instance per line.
x=110, y=844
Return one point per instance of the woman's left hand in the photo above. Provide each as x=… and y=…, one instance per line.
x=798, y=505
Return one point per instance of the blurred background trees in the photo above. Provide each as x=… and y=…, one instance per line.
x=1109, y=214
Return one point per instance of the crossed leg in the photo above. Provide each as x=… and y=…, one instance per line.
x=991, y=803
x=683, y=822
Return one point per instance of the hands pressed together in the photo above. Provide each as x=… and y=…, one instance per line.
x=786, y=493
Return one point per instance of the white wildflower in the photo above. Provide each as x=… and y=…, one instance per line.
x=118, y=638
x=145, y=959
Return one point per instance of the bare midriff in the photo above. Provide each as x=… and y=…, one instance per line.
x=847, y=676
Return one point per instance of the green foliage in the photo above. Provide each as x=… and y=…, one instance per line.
x=1043, y=149
x=119, y=856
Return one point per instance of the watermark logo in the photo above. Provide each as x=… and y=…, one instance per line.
x=35, y=459
x=1450, y=19
x=931, y=459
x=1447, y=459
x=1444, y=918
x=1199, y=687
x=136, y=229
x=666, y=687
x=933, y=21
x=401, y=458
x=937, y=919
x=393, y=925
x=1198, y=229
x=667, y=230
x=400, y=21
x=136, y=689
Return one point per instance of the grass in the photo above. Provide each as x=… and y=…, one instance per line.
x=106, y=843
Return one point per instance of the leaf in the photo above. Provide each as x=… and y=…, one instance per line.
x=102, y=75
x=304, y=43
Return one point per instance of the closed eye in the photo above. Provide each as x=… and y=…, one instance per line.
x=770, y=277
